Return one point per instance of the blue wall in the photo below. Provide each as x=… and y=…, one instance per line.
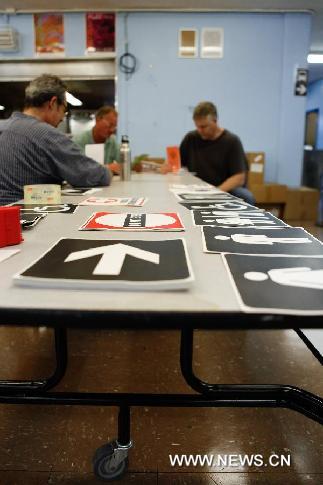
x=74, y=32
x=252, y=85
x=315, y=101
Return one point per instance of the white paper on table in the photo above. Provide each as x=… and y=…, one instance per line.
x=95, y=151
x=6, y=253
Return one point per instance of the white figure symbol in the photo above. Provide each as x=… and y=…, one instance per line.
x=263, y=239
x=236, y=221
x=302, y=277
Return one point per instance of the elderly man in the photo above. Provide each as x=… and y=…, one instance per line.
x=103, y=131
x=215, y=154
x=32, y=151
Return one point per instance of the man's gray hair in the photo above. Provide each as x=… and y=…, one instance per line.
x=42, y=89
x=206, y=108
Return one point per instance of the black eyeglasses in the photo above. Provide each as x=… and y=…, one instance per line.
x=65, y=108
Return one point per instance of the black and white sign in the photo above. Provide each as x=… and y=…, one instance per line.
x=79, y=191
x=204, y=196
x=286, y=241
x=114, y=264
x=191, y=187
x=48, y=208
x=234, y=206
x=30, y=219
x=277, y=284
x=301, y=82
x=236, y=219
x=209, y=205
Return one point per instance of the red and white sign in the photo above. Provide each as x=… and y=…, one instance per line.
x=131, y=201
x=163, y=221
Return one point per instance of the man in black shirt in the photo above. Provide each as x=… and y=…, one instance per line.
x=215, y=154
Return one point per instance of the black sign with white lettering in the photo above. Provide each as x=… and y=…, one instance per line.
x=230, y=204
x=235, y=219
x=48, y=208
x=203, y=197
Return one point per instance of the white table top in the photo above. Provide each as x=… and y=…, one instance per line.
x=210, y=292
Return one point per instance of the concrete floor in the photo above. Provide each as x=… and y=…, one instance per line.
x=54, y=444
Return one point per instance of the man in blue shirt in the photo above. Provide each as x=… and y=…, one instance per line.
x=32, y=151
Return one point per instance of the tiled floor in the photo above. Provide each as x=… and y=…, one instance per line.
x=54, y=444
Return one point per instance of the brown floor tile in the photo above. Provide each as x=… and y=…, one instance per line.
x=266, y=479
x=33, y=437
x=23, y=478
x=186, y=479
x=81, y=479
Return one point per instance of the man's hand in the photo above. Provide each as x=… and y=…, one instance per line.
x=165, y=168
x=114, y=167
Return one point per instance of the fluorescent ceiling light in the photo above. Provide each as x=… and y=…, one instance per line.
x=73, y=100
x=315, y=58
x=2, y=107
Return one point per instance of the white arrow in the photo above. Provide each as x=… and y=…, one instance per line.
x=301, y=89
x=113, y=257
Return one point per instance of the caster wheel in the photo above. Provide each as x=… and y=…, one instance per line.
x=106, y=464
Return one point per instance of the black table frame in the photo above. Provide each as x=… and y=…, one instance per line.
x=207, y=394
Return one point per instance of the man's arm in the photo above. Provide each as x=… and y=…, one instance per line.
x=71, y=165
x=233, y=182
x=183, y=150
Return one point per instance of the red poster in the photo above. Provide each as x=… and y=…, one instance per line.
x=49, y=33
x=100, y=32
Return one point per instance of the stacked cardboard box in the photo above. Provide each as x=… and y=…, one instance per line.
x=264, y=193
x=301, y=203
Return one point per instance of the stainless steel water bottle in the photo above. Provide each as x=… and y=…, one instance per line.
x=125, y=159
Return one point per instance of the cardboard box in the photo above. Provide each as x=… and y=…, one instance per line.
x=269, y=193
x=276, y=193
x=259, y=192
x=256, y=163
x=302, y=204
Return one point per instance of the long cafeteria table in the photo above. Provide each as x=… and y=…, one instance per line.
x=209, y=303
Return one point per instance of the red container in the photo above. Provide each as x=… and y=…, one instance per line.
x=10, y=228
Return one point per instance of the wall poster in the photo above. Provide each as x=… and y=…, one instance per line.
x=100, y=32
x=49, y=34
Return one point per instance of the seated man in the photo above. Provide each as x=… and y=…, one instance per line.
x=32, y=151
x=103, y=131
x=215, y=154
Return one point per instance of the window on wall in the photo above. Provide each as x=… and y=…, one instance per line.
x=212, y=43
x=311, y=128
x=188, y=43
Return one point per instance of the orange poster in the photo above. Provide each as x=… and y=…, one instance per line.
x=49, y=33
x=173, y=158
x=100, y=32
